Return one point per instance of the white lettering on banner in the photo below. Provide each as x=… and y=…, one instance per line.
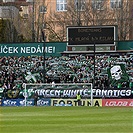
x=49, y=93
x=118, y=102
x=115, y=92
x=62, y=93
x=50, y=49
x=131, y=103
x=42, y=102
x=28, y=50
x=9, y=102
x=15, y=49
x=10, y=50
x=128, y=92
x=33, y=49
x=39, y=49
x=111, y=93
x=122, y=92
x=22, y=50
x=22, y=103
x=114, y=103
x=5, y=49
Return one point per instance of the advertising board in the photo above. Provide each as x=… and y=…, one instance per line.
x=117, y=102
x=73, y=102
x=17, y=102
x=100, y=35
x=44, y=102
x=9, y=102
x=21, y=102
x=29, y=102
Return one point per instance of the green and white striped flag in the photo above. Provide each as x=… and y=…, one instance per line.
x=30, y=77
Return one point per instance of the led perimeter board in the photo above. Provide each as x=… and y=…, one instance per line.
x=84, y=36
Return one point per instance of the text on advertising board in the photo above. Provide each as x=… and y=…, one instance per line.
x=101, y=35
x=117, y=102
x=73, y=102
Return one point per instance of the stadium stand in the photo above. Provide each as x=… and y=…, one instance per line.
x=14, y=71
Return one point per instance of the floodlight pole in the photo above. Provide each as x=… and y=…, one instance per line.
x=44, y=55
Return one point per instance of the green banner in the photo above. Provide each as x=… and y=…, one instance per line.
x=29, y=49
x=125, y=45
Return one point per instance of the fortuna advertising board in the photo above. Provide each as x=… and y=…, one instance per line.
x=73, y=102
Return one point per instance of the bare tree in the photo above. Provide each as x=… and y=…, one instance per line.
x=10, y=14
x=40, y=10
x=88, y=13
x=123, y=20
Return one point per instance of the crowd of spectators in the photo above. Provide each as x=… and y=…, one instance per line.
x=14, y=71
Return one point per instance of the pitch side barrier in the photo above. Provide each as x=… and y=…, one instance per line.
x=59, y=91
x=48, y=96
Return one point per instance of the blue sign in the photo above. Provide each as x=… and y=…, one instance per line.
x=30, y=102
x=44, y=102
x=10, y=102
x=17, y=102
